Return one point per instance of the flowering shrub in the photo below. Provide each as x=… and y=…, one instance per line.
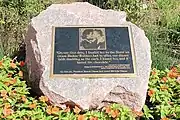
x=163, y=101
x=164, y=94
x=17, y=104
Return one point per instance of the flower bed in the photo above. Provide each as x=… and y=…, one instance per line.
x=16, y=103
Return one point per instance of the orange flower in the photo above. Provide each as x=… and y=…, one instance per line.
x=172, y=74
x=164, y=118
x=138, y=113
x=55, y=110
x=3, y=93
x=43, y=99
x=7, y=112
x=163, y=88
x=7, y=105
x=81, y=117
x=13, y=92
x=77, y=110
x=151, y=92
x=33, y=105
x=108, y=109
x=153, y=72
x=13, y=81
x=20, y=73
x=48, y=110
x=23, y=98
x=52, y=110
x=1, y=63
x=7, y=83
x=21, y=63
x=67, y=109
x=93, y=118
x=13, y=65
x=114, y=113
x=174, y=69
x=164, y=79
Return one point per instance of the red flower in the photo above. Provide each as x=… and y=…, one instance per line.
x=21, y=63
x=151, y=92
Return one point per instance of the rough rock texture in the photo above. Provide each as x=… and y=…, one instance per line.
x=88, y=93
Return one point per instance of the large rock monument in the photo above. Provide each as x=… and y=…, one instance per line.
x=87, y=92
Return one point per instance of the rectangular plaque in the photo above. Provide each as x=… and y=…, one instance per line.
x=86, y=51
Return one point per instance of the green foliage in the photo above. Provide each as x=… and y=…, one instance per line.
x=164, y=93
x=1, y=51
x=161, y=21
x=17, y=104
x=132, y=7
x=14, y=18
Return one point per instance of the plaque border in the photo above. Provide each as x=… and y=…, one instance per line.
x=106, y=75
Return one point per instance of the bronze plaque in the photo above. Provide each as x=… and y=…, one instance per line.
x=86, y=51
